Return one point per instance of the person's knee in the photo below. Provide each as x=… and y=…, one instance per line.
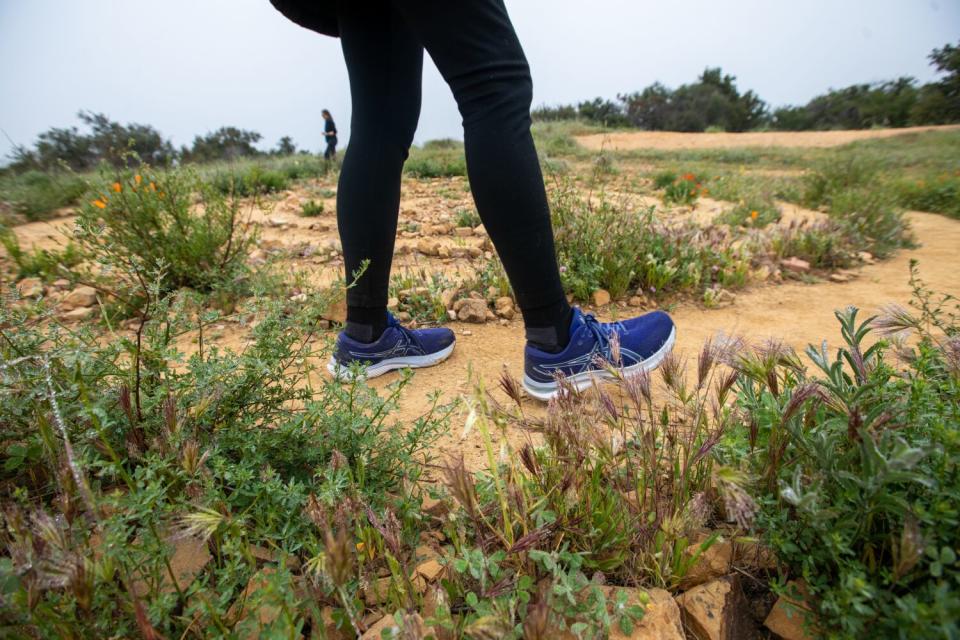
x=503, y=92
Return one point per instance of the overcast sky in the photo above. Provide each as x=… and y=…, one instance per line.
x=190, y=66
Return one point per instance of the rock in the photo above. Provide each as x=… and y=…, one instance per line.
x=475, y=252
x=443, y=252
x=840, y=277
x=504, y=307
x=754, y=556
x=463, y=232
x=712, y=563
x=724, y=297
x=82, y=296
x=661, y=619
x=480, y=230
x=329, y=629
x=403, y=316
x=451, y=314
x=715, y=610
x=447, y=296
x=471, y=310
x=190, y=556
x=337, y=311
x=637, y=301
x=762, y=273
x=377, y=591
x=795, y=265
x=264, y=614
x=430, y=570
x=80, y=313
x=30, y=287
x=600, y=297
x=786, y=618
x=393, y=303
x=276, y=222
x=387, y=627
x=257, y=257
x=62, y=284
x=866, y=257
x=428, y=247
x=300, y=297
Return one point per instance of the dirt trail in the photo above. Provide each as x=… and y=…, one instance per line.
x=796, y=313
x=672, y=140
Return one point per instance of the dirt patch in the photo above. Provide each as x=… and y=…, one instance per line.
x=672, y=140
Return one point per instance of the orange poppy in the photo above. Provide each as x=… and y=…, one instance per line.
x=116, y=187
x=753, y=215
x=137, y=178
x=100, y=204
x=153, y=187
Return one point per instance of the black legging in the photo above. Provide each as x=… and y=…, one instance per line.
x=477, y=52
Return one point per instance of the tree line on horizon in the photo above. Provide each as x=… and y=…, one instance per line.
x=714, y=102
x=113, y=142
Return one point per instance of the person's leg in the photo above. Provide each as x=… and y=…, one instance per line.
x=384, y=62
x=477, y=51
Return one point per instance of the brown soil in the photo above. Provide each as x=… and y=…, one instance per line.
x=672, y=140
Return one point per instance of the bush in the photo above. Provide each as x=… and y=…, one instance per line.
x=823, y=244
x=858, y=471
x=685, y=189
x=250, y=181
x=419, y=295
x=939, y=194
x=755, y=213
x=436, y=162
x=311, y=209
x=604, y=246
x=171, y=228
x=34, y=194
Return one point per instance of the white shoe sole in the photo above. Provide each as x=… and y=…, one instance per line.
x=546, y=390
x=341, y=372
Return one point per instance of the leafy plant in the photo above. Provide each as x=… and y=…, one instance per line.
x=48, y=264
x=311, y=208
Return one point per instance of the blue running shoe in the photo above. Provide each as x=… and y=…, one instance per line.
x=644, y=343
x=397, y=348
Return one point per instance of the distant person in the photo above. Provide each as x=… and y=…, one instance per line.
x=474, y=46
x=330, y=135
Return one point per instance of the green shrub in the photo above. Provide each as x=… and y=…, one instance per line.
x=169, y=227
x=601, y=245
x=685, y=190
x=438, y=162
x=467, y=218
x=823, y=244
x=755, y=213
x=34, y=194
x=311, y=208
x=858, y=471
x=419, y=294
x=250, y=181
x=663, y=179
x=939, y=194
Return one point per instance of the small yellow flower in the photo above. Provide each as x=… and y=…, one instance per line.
x=753, y=215
x=116, y=187
x=138, y=178
x=360, y=546
x=98, y=203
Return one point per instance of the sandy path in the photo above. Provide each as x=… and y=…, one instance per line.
x=672, y=140
x=796, y=313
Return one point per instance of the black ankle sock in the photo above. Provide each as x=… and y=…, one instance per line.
x=548, y=328
x=366, y=324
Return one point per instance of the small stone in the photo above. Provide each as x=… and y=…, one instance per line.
x=82, y=296
x=463, y=232
x=428, y=247
x=636, y=301
x=80, y=313
x=443, y=252
x=786, y=618
x=451, y=314
x=504, y=307
x=30, y=287
x=430, y=570
x=475, y=252
x=300, y=297
x=661, y=618
x=277, y=222
x=323, y=324
x=839, y=277
x=480, y=230
x=866, y=257
x=337, y=311
x=715, y=610
x=471, y=310
x=393, y=303
x=447, y=296
x=377, y=591
x=795, y=265
x=61, y=283
x=600, y=297
x=404, y=316
x=710, y=565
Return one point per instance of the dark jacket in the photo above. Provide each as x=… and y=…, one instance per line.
x=316, y=15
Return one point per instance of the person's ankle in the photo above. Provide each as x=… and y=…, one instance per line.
x=552, y=338
x=366, y=324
